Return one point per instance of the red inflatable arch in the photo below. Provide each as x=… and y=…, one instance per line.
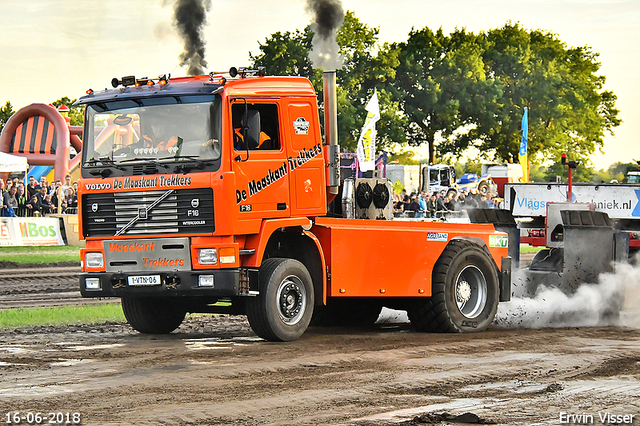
x=39, y=133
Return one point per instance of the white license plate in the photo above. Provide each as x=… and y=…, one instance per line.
x=145, y=280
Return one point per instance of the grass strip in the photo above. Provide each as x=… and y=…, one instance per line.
x=65, y=315
x=40, y=254
x=525, y=248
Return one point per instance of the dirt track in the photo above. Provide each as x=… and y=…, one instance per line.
x=214, y=371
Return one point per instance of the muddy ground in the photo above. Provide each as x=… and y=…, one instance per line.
x=215, y=371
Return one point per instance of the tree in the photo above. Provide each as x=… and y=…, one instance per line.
x=76, y=113
x=404, y=157
x=5, y=113
x=443, y=89
x=365, y=67
x=568, y=109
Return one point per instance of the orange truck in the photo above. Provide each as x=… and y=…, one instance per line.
x=218, y=194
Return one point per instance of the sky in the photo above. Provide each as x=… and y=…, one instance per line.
x=55, y=48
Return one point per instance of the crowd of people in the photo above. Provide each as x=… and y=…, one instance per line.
x=38, y=198
x=438, y=204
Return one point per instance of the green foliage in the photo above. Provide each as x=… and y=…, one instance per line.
x=568, y=110
x=89, y=314
x=537, y=173
x=442, y=88
x=403, y=157
x=76, y=113
x=5, y=113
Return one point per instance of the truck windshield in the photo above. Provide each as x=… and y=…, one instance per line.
x=165, y=129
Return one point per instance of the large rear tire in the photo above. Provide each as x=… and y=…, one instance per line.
x=283, y=310
x=465, y=292
x=153, y=315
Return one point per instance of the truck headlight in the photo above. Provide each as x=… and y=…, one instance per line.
x=94, y=260
x=208, y=256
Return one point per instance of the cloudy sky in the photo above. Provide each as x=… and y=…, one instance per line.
x=55, y=48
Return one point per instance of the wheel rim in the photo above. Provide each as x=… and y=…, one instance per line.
x=471, y=291
x=292, y=300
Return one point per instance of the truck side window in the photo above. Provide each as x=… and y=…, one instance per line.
x=269, y=129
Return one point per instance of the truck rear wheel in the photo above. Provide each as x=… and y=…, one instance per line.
x=153, y=315
x=283, y=309
x=465, y=292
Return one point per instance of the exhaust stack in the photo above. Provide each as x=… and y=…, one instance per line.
x=331, y=130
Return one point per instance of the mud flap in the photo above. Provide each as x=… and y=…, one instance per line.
x=505, y=279
x=503, y=221
x=588, y=247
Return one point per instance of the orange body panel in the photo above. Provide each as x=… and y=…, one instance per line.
x=369, y=258
x=285, y=187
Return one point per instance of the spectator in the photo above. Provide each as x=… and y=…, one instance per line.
x=9, y=202
x=57, y=197
x=440, y=202
x=53, y=186
x=33, y=206
x=422, y=202
x=461, y=200
x=22, y=201
x=71, y=200
x=432, y=206
x=67, y=183
x=398, y=206
x=473, y=200
x=43, y=182
x=406, y=200
x=454, y=203
x=44, y=191
x=33, y=187
x=413, y=208
x=46, y=207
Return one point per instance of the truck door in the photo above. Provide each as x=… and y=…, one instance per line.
x=262, y=179
x=304, y=147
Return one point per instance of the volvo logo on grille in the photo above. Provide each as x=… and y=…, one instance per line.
x=142, y=212
x=195, y=203
x=94, y=207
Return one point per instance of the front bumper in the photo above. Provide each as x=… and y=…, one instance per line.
x=226, y=283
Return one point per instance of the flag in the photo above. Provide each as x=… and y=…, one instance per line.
x=522, y=155
x=367, y=142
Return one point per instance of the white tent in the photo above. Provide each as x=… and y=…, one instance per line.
x=12, y=163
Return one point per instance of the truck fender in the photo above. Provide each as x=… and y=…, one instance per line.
x=290, y=238
x=258, y=242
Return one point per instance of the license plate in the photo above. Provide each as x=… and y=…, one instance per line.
x=145, y=280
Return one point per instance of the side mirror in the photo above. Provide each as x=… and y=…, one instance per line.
x=252, y=129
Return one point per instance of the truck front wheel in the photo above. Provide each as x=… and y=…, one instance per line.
x=283, y=309
x=153, y=315
x=465, y=292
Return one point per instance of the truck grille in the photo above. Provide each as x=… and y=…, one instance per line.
x=179, y=211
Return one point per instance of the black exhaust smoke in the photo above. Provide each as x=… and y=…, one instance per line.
x=190, y=18
x=327, y=18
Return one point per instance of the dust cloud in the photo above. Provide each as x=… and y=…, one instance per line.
x=614, y=300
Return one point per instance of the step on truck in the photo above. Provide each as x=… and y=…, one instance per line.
x=210, y=194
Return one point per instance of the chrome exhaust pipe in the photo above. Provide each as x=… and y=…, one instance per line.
x=331, y=130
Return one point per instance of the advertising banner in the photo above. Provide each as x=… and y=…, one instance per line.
x=30, y=231
x=617, y=200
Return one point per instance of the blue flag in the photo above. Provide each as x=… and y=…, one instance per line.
x=524, y=145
